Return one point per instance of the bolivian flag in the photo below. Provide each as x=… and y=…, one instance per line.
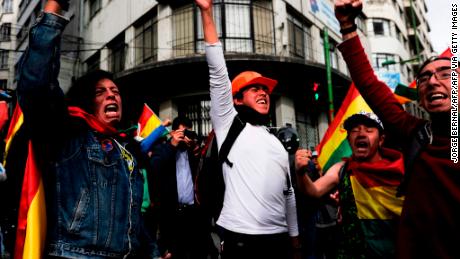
x=31, y=229
x=334, y=145
x=148, y=122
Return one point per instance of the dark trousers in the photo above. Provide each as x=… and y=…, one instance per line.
x=190, y=237
x=242, y=246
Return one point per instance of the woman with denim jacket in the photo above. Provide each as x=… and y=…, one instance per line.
x=92, y=183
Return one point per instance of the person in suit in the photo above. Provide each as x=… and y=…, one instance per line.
x=181, y=223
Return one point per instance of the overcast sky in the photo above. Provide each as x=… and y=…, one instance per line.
x=439, y=16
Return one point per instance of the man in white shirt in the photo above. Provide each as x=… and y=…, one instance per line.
x=259, y=213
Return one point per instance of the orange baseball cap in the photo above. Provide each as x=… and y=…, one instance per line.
x=248, y=78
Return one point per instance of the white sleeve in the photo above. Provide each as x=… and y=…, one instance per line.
x=222, y=110
x=291, y=213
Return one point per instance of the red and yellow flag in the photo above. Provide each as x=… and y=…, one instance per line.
x=31, y=231
x=148, y=122
x=15, y=124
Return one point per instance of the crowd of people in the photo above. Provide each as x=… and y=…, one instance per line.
x=109, y=195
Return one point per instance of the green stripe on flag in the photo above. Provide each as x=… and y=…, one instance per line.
x=343, y=150
x=404, y=91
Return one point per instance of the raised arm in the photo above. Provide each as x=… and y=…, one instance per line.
x=209, y=28
x=222, y=110
x=39, y=95
x=376, y=93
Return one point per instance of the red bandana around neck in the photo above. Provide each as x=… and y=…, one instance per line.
x=91, y=120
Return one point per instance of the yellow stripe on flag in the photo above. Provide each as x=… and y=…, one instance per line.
x=148, y=122
x=36, y=226
x=16, y=122
x=153, y=123
x=15, y=129
x=376, y=202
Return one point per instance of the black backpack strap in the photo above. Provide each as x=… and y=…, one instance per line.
x=288, y=184
x=423, y=136
x=235, y=130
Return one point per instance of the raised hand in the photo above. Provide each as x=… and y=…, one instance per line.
x=204, y=4
x=302, y=157
x=346, y=11
x=209, y=28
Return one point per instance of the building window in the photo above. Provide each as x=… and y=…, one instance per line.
x=361, y=24
x=299, y=38
x=3, y=59
x=7, y=6
x=146, y=41
x=381, y=27
x=242, y=26
x=197, y=110
x=333, y=55
x=399, y=35
x=117, y=54
x=264, y=35
x=94, y=7
x=183, y=31
x=296, y=39
x=93, y=62
x=237, y=24
x=5, y=32
x=379, y=58
x=22, y=7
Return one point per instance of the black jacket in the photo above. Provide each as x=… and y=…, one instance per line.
x=163, y=177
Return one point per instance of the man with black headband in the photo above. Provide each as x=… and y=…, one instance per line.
x=258, y=213
x=429, y=220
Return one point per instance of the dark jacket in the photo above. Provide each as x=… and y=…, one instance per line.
x=163, y=164
x=93, y=200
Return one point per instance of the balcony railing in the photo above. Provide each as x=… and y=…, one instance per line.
x=243, y=26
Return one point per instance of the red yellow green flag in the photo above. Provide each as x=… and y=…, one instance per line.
x=31, y=230
x=148, y=122
x=334, y=145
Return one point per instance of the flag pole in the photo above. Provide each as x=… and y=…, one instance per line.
x=328, y=75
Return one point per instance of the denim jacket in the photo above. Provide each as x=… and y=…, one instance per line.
x=93, y=200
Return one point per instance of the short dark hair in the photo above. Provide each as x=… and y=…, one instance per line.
x=429, y=60
x=83, y=89
x=181, y=120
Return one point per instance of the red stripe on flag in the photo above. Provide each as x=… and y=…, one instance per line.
x=147, y=113
x=30, y=186
x=14, y=120
x=351, y=95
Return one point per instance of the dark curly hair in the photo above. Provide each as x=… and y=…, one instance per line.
x=83, y=90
